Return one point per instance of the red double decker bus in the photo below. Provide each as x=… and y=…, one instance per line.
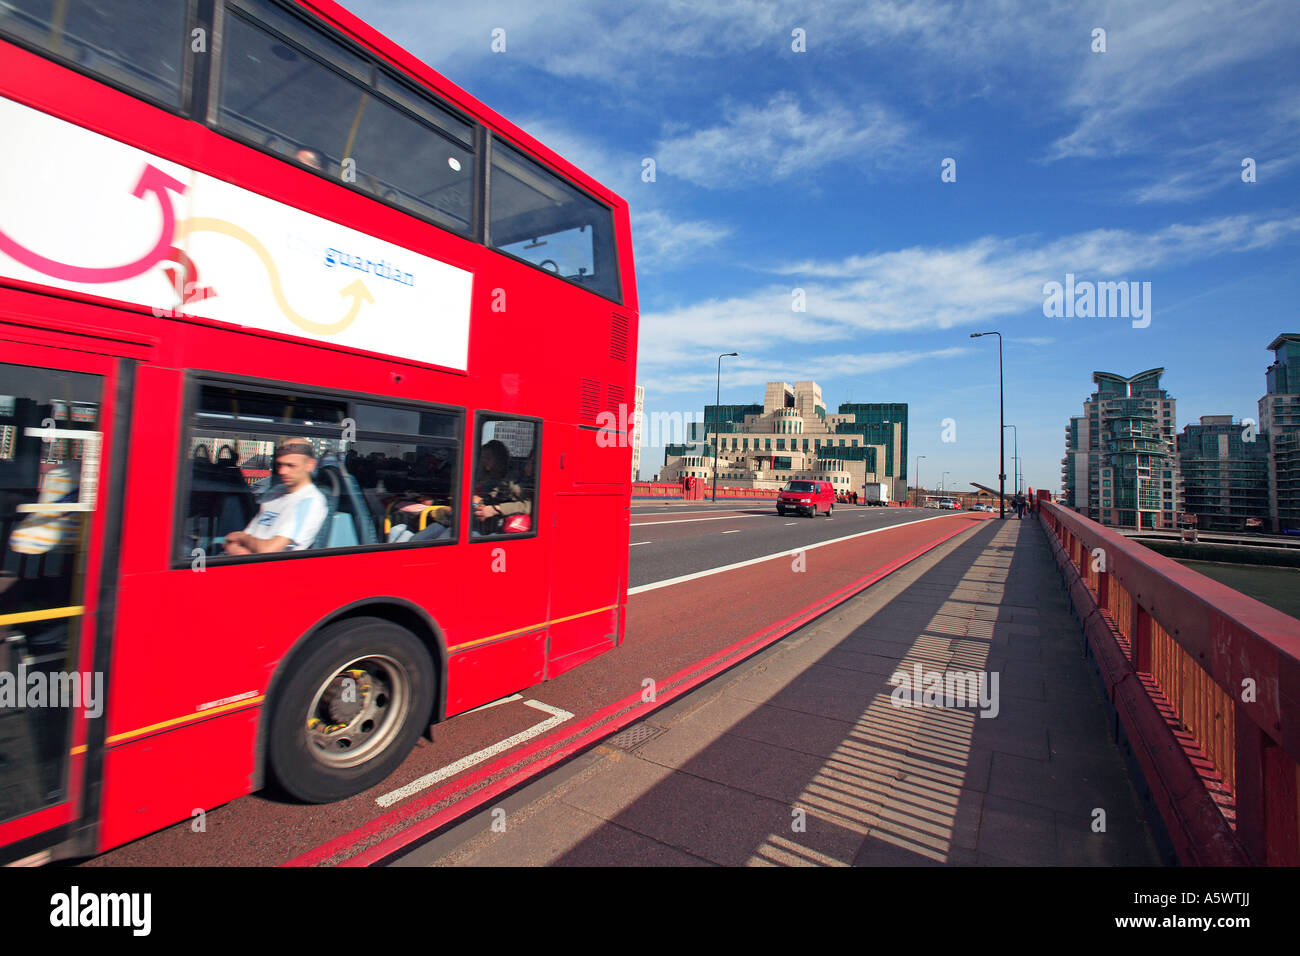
x=304, y=355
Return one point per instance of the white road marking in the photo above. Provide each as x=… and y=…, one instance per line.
x=496, y=703
x=429, y=779
x=644, y=524
x=731, y=532
x=635, y=543
x=667, y=582
x=788, y=523
x=707, y=511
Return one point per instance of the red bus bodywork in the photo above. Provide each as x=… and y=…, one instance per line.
x=192, y=658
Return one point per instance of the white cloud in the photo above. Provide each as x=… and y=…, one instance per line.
x=781, y=140
x=660, y=242
x=922, y=289
x=818, y=367
x=1162, y=68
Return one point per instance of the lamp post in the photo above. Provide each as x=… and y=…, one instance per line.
x=918, y=479
x=717, y=398
x=1015, y=456
x=1002, y=433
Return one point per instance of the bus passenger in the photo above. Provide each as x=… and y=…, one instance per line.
x=290, y=515
x=496, y=497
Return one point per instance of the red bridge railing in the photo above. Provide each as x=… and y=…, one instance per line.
x=768, y=493
x=1205, y=683
x=659, y=489
x=655, y=489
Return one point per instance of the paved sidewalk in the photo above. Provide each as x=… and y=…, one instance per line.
x=800, y=757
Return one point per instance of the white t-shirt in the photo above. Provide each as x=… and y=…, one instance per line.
x=296, y=516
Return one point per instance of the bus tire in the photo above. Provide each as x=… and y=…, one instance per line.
x=352, y=710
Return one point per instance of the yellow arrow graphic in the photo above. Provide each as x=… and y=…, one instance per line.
x=356, y=290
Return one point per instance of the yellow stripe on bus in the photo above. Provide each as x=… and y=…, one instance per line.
x=176, y=721
x=49, y=614
x=211, y=712
x=532, y=627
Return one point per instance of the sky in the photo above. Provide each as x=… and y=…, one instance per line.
x=911, y=173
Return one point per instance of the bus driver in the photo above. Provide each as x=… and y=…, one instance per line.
x=291, y=514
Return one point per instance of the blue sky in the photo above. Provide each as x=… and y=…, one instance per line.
x=821, y=170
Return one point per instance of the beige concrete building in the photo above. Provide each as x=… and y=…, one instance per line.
x=791, y=436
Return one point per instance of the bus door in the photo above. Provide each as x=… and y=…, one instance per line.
x=56, y=407
x=590, y=550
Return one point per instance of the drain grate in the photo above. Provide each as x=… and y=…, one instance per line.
x=632, y=737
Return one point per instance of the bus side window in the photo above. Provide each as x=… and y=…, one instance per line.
x=504, y=495
x=278, y=470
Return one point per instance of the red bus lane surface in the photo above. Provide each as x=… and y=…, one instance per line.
x=679, y=635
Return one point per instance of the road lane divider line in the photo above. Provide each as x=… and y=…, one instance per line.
x=557, y=717
x=682, y=579
x=635, y=543
x=703, y=511
x=651, y=524
x=572, y=739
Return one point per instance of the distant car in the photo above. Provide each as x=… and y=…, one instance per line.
x=806, y=497
x=947, y=504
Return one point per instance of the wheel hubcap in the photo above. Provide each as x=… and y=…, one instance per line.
x=358, y=711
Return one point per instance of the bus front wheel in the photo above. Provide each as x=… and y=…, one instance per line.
x=351, y=710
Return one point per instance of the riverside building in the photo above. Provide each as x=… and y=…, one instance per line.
x=792, y=436
x=1224, y=465
x=1121, y=465
x=1279, y=421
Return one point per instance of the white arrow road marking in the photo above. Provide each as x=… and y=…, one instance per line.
x=429, y=779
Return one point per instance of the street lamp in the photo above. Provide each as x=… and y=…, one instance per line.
x=717, y=398
x=1002, y=433
x=1015, y=454
x=918, y=479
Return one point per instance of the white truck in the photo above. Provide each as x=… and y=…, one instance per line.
x=875, y=493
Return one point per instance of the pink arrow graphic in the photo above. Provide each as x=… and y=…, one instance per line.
x=153, y=180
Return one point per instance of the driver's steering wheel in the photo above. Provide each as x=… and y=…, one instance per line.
x=550, y=265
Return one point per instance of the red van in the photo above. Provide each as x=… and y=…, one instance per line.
x=808, y=497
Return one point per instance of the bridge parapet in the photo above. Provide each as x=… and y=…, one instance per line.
x=1205, y=683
